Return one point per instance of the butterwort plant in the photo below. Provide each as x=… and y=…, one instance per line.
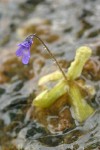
x=67, y=81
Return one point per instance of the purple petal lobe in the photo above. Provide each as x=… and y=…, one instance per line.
x=19, y=52
x=26, y=58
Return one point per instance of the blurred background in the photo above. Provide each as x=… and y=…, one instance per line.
x=64, y=25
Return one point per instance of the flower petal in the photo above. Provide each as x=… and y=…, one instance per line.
x=24, y=49
x=26, y=57
x=19, y=52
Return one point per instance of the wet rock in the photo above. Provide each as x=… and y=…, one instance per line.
x=2, y=91
x=57, y=118
x=4, y=40
x=92, y=68
x=3, y=78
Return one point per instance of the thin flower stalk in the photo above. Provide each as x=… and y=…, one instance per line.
x=24, y=51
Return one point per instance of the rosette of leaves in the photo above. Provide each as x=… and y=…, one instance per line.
x=77, y=92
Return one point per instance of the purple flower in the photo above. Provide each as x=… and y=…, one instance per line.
x=24, y=49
